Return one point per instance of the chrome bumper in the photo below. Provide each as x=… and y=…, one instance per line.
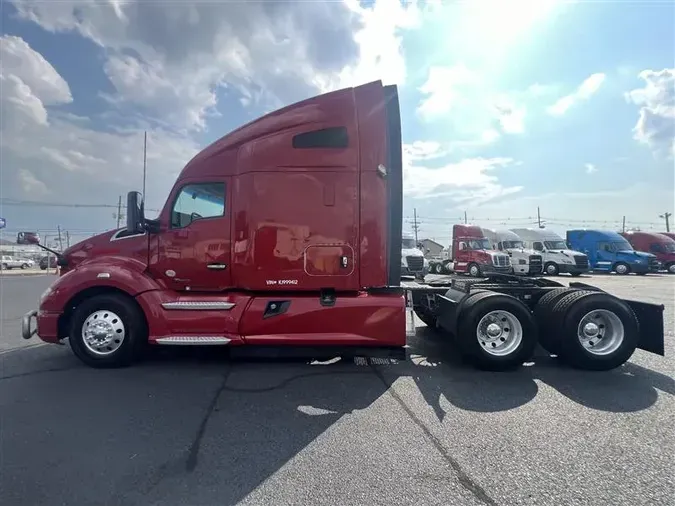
x=26, y=331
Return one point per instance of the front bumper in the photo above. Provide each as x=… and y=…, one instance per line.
x=496, y=269
x=571, y=269
x=27, y=330
x=46, y=325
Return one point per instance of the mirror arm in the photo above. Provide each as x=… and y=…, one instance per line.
x=56, y=253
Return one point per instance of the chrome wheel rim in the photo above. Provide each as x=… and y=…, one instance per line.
x=550, y=269
x=621, y=269
x=671, y=269
x=103, y=332
x=473, y=270
x=499, y=333
x=601, y=332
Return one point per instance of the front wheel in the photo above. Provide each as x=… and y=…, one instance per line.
x=671, y=268
x=496, y=332
x=108, y=330
x=597, y=331
x=474, y=270
x=24, y=266
x=551, y=269
x=622, y=269
x=5, y=267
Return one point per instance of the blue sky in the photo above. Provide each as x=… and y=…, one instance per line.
x=506, y=106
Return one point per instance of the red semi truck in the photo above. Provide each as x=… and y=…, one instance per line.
x=470, y=252
x=287, y=232
x=657, y=244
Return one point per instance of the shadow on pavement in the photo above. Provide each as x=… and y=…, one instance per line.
x=194, y=427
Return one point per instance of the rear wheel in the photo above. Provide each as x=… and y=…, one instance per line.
x=108, y=330
x=496, y=332
x=24, y=266
x=546, y=320
x=622, y=268
x=597, y=331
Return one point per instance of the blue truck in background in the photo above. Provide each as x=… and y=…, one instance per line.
x=608, y=251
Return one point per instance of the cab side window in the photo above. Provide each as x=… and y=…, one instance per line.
x=656, y=247
x=605, y=246
x=198, y=201
x=537, y=246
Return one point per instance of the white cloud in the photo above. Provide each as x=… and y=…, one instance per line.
x=72, y=162
x=590, y=168
x=445, y=88
x=274, y=52
x=656, y=124
x=586, y=90
x=470, y=179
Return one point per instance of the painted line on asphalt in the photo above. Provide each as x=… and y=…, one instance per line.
x=22, y=348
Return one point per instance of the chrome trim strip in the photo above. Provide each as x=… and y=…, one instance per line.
x=192, y=340
x=116, y=234
x=198, y=305
x=218, y=267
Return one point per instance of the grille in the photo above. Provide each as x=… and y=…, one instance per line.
x=535, y=259
x=415, y=263
x=501, y=260
x=581, y=261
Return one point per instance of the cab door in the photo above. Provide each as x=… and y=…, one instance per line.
x=192, y=252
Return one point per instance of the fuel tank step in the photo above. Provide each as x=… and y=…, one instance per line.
x=192, y=340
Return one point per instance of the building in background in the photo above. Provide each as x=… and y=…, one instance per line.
x=431, y=248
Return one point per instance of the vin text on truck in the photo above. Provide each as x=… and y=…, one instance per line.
x=288, y=232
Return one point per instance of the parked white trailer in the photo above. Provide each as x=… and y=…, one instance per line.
x=557, y=257
x=524, y=260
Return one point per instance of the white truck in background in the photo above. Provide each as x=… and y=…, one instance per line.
x=557, y=257
x=524, y=260
x=413, y=262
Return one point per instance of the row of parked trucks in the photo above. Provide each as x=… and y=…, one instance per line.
x=235, y=259
x=526, y=251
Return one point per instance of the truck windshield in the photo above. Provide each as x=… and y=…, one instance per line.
x=408, y=243
x=512, y=244
x=555, y=244
x=478, y=244
x=622, y=246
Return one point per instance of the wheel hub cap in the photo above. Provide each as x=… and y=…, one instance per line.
x=494, y=330
x=103, y=332
x=499, y=333
x=591, y=329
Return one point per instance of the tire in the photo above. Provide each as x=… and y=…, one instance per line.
x=474, y=270
x=428, y=319
x=507, y=350
x=606, y=312
x=543, y=313
x=5, y=267
x=621, y=268
x=671, y=268
x=24, y=266
x=551, y=269
x=118, y=312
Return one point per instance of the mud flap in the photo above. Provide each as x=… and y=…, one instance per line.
x=650, y=318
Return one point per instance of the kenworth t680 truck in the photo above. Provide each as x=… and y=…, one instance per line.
x=287, y=232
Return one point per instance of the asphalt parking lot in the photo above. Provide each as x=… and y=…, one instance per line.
x=195, y=428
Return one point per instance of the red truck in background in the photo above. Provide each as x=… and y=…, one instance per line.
x=669, y=234
x=657, y=244
x=287, y=233
x=470, y=252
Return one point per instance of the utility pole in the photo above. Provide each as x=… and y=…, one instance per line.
x=415, y=225
x=67, y=239
x=119, y=211
x=539, y=218
x=465, y=218
x=145, y=151
x=666, y=216
x=60, y=242
x=623, y=225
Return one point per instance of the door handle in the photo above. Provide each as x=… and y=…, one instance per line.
x=216, y=267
